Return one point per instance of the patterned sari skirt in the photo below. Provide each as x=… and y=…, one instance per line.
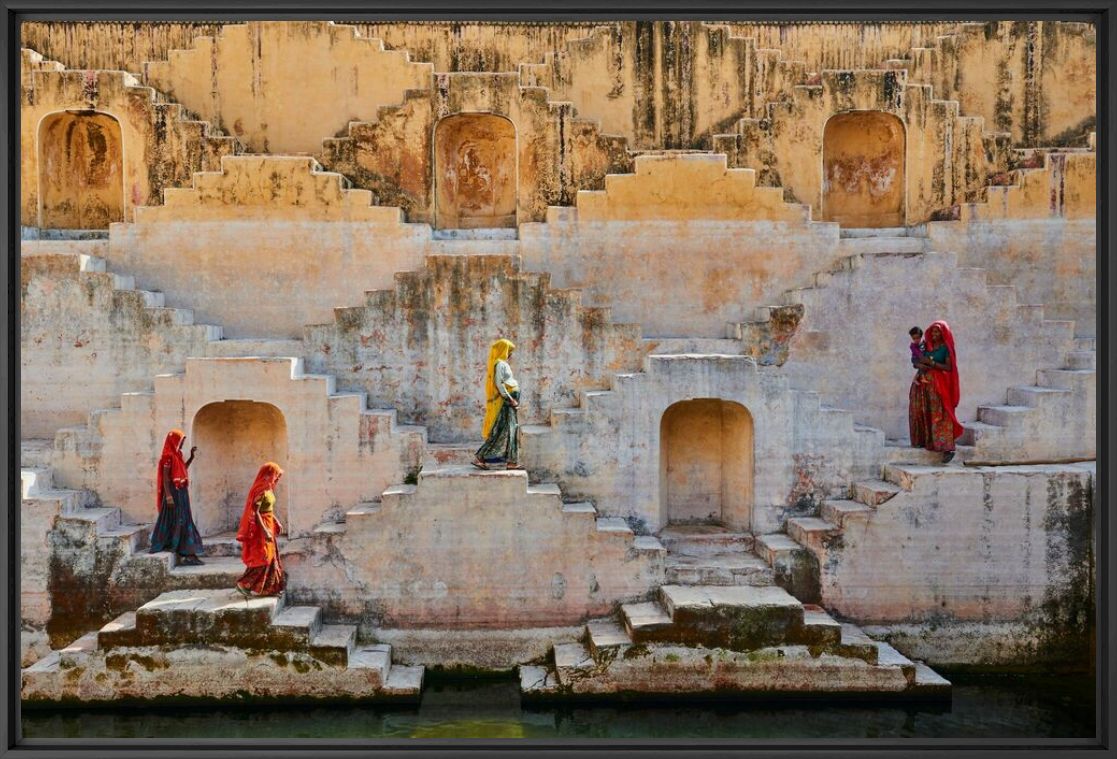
x=502, y=443
x=264, y=575
x=929, y=425
x=175, y=530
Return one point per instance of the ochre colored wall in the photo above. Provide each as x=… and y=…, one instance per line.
x=863, y=183
x=284, y=86
x=475, y=172
x=81, y=171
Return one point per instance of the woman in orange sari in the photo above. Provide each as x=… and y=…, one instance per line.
x=258, y=535
x=934, y=394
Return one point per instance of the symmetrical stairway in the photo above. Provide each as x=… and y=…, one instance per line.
x=736, y=640
x=216, y=644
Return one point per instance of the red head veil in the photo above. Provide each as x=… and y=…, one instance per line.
x=265, y=480
x=946, y=384
x=172, y=455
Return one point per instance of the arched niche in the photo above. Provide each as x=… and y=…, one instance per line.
x=863, y=154
x=706, y=463
x=81, y=170
x=234, y=439
x=475, y=172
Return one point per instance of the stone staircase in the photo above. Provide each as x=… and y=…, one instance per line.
x=712, y=555
x=1051, y=421
x=217, y=644
x=738, y=640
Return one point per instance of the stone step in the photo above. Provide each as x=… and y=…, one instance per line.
x=580, y=507
x=874, y=492
x=225, y=545
x=1082, y=359
x=248, y=347
x=813, y=533
x=377, y=658
x=75, y=653
x=449, y=454
x=899, y=452
x=215, y=572
x=1085, y=344
x=774, y=546
x=728, y=568
x=35, y=480
x=918, y=230
x=887, y=656
x=1034, y=396
x=839, y=512
x=703, y=539
x=1004, y=415
x=537, y=681
x=102, y=520
x=1075, y=380
x=197, y=617
x=854, y=642
x=613, y=525
x=819, y=628
x=645, y=622
x=851, y=246
x=975, y=432
x=333, y=643
x=132, y=537
x=403, y=681
x=707, y=345
x=606, y=637
x=736, y=617
x=120, y=632
x=36, y=453
x=295, y=626
x=929, y=682
x=571, y=661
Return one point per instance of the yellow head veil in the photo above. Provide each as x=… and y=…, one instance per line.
x=497, y=352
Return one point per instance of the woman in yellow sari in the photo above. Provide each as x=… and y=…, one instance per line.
x=502, y=398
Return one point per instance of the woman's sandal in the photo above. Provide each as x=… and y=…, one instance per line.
x=513, y=467
x=480, y=464
x=246, y=593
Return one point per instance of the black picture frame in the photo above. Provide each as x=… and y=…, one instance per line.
x=1100, y=12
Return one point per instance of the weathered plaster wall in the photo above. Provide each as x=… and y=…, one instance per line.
x=556, y=152
x=293, y=239
x=421, y=347
x=609, y=448
x=851, y=343
x=944, y=157
x=83, y=343
x=1050, y=261
x=338, y=453
x=489, y=553
x=157, y=148
x=251, y=78
x=960, y=545
x=119, y=45
x=1036, y=80
x=683, y=246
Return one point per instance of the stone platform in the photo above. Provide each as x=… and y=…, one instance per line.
x=719, y=641
x=197, y=645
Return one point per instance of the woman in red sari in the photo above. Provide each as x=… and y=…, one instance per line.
x=258, y=534
x=934, y=394
x=174, y=529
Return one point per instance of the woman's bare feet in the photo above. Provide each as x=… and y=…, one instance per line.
x=512, y=465
x=947, y=457
x=480, y=464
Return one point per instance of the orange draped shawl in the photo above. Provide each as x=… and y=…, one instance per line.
x=255, y=548
x=173, y=456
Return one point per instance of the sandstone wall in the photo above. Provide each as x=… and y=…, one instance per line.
x=296, y=242
x=83, y=342
x=683, y=246
x=122, y=150
x=489, y=552
x=250, y=80
x=421, y=347
x=960, y=546
x=338, y=454
x=851, y=342
x=610, y=448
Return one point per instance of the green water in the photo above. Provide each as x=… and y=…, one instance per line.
x=982, y=707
